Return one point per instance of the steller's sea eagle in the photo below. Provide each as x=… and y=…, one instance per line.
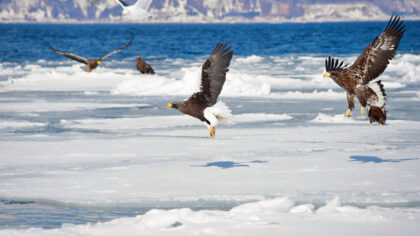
x=143, y=66
x=137, y=11
x=203, y=105
x=370, y=64
x=90, y=63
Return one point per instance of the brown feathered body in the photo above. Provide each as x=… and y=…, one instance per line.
x=194, y=107
x=92, y=64
x=143, y=67
x=356, y=79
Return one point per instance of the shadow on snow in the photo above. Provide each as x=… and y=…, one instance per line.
x=229, y=164
x=366, y=159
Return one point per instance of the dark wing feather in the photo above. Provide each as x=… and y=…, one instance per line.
x=118, y=50
x=123, y=3
x=332, y=64
x=71, y=56
x=214, y=71
x=375, y=58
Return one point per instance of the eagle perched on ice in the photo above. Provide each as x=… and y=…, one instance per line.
x=370, y=64
x=203, y=105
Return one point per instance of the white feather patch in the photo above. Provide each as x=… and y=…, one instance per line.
x=380, y=102
x=85, y=68
x=219, y=112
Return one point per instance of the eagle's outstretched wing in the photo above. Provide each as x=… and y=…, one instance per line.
x=214, y=71
x=375, y=58
x=93, y=2
x=145, y=4
x=332, y=64
x=118, y=50
x=71, y=56
x=122, y=3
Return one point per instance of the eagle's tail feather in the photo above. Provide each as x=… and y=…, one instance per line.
x=222, y=113
x=219, y=112
x=377, y=114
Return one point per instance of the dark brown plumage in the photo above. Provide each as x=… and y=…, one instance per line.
x=143, y=66
x=91, y=64
x=370, y=65
x=213, y=76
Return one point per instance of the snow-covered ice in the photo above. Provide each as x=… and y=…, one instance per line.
x=290, y=164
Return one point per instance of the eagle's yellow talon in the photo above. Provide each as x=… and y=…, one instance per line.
x=362, y=111
x=348, y=113
x=212, y=131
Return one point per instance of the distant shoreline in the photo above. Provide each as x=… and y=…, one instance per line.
x=198, y=22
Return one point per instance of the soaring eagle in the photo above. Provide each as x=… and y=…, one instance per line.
x=91, y=64
x=356, y=79
x=143, y=66
x=137, y=11
x=203, y=105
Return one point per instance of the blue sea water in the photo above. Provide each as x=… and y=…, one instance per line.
x=26, y=44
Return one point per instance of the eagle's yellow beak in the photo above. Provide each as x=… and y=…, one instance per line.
x=169, y=105
x=124, y=14
x=99, y=62
x=326, y=74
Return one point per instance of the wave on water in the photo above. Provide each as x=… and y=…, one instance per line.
x=282, y=77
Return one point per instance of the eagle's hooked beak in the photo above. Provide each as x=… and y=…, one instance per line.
x=169, y=105
x=99, y=62
x=326, y=74
x=124, y=14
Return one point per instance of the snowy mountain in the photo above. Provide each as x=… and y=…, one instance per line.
x=210, y=10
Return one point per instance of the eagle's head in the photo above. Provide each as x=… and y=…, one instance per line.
x=331, y=74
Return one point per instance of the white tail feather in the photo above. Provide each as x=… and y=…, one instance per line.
x=219, y=112
x=86, y=68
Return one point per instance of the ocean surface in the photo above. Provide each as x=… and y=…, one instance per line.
x=79, y=147
x=27, y=42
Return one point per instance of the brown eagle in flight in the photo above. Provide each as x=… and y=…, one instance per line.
x=91, y=64
x=203, y=105
x=370, y=64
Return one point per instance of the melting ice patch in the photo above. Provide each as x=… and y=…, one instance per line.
x=152, y=122
x=339, y=118
x=4, y=124
x=45, y=106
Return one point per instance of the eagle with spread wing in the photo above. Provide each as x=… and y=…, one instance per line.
x=356, y=79
x=91, y=64
x=203, y=104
